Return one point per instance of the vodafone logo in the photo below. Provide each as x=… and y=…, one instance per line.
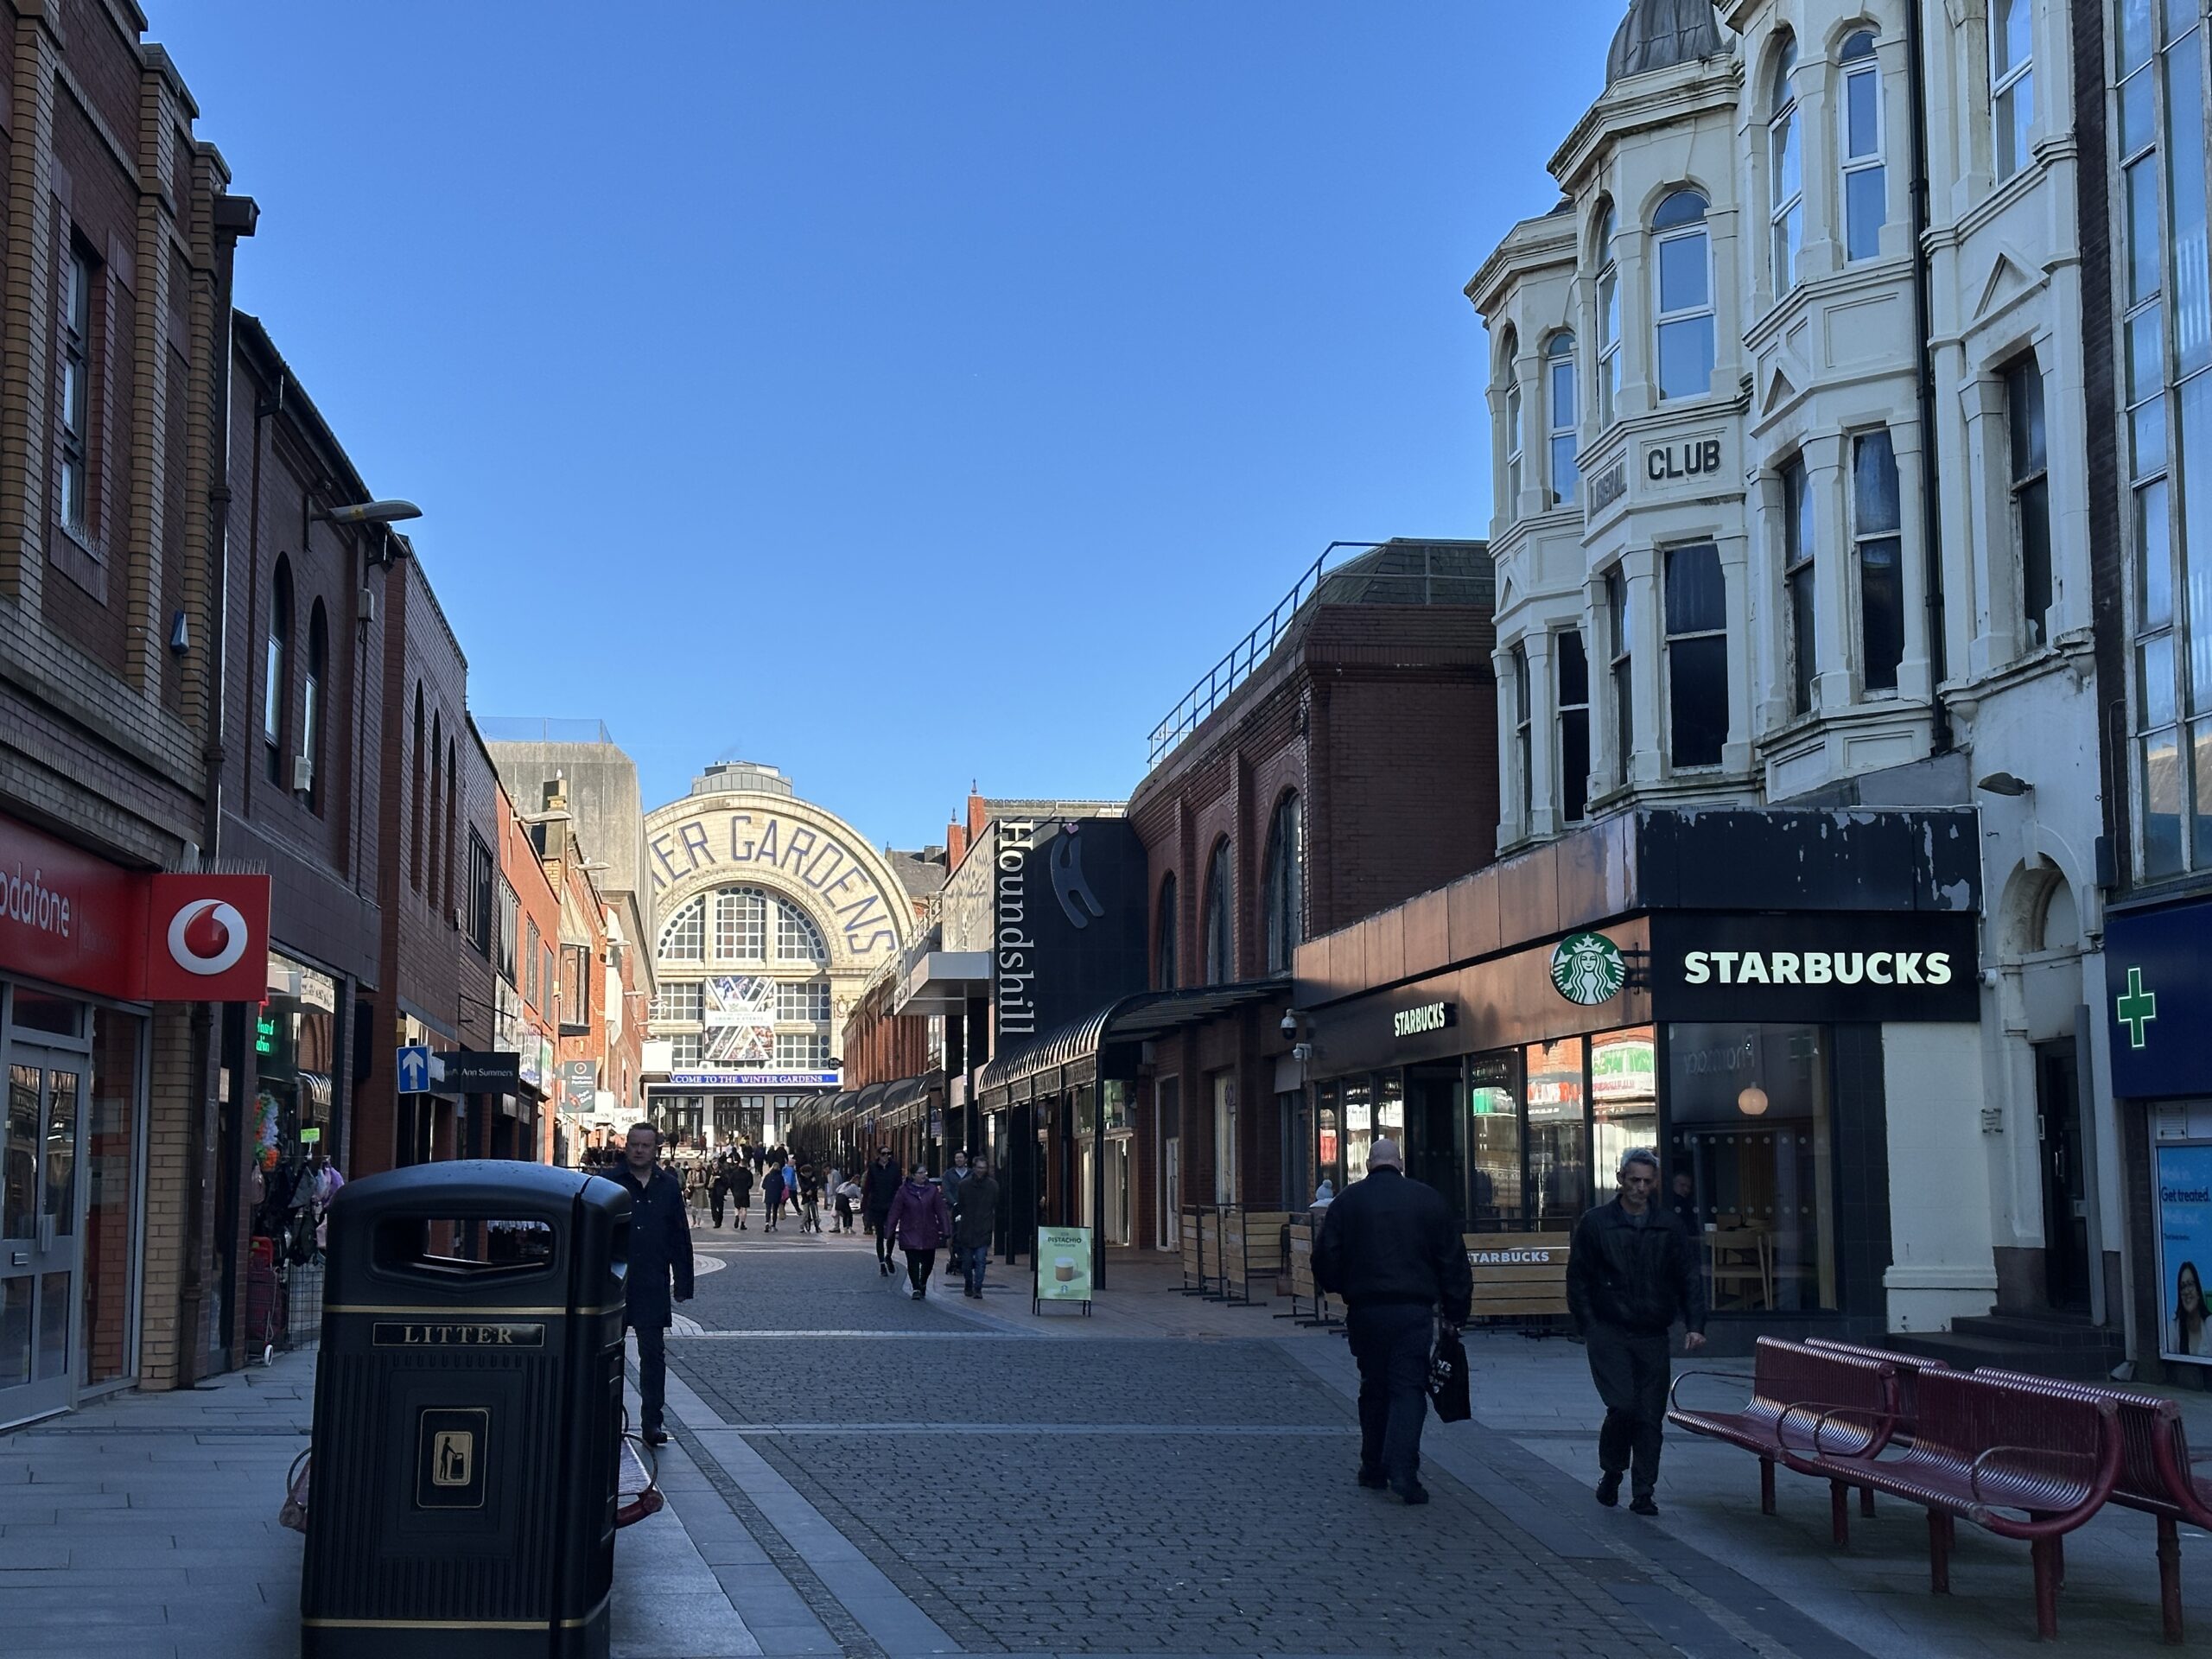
x=207, y=937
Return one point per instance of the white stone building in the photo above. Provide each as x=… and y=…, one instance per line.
x=1791, y=513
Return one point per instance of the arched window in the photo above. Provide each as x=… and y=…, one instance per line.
x=1220, y=932
x=2012, y=81
x=1513, y=426
x=798, y=939
x=415, y=813
x=1608, y=319
x=311, y=702
x=453, y=837
x=436, y=827
x=1785, y=154
x=1163, y=954
x=1559, y=416
x=277, y=682
x=684, y=936
x=1866, y=188
x=1283, y=890
x=1682, y=250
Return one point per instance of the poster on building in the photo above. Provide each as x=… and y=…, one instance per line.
x=2184, y=1252
x=1064, y=1265
x=740, y=1021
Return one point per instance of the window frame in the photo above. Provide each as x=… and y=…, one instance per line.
x=1707, y=311
x=1864, y=539
x=1516, y=429
x=1785, y=135
x=1571, y=717
x=1218, y=921
x=1607, y=281
x=1559, y=368
x=312, y=721
x=77, y=411
x=1282, y=886
x=2006, y=83
x=2028, y=497
x=1681, y=643
x=1801, y=599
x=276, y=674
x=1857, y=66
x=1621, y=671
x=1164, y=938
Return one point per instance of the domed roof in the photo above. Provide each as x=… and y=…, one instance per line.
x=1660, y=34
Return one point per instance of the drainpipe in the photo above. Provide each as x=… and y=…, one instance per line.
x=233, y=218
x=1931, y=516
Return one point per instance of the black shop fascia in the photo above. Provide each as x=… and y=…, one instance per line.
x=1714, y=986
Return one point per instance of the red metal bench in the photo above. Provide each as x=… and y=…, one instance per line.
x=1908, y=1367
x=2155, y=1475
x=1799, y=1387
x=2020, y=1457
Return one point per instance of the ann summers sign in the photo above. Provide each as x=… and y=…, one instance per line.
x=1842, y=968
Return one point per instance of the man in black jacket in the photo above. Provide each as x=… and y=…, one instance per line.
x=1632, y=1274
x=879, y=1186
x=660, y=1244
x=1390, y=1249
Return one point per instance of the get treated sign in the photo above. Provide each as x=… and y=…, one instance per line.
x=75, y=919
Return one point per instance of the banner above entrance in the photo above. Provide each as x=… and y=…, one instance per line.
x=72, y=919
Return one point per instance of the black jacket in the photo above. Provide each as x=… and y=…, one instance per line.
x=1388, y=1239
x=741, y=1183
x=660, y=1243
x=971, y=1218
x=879, y=1185
x=1640, y=1279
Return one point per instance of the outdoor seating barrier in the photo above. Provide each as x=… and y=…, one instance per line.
x=1209, y=1232
x=1518, y=1277
x=1850, y=1399
x=1251, y=1248
x=2155, y=1475
x=1309, y=1303
x=1194, y=1249
x=2018, y=1458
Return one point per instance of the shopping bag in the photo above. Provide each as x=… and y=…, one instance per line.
x=1447, y=1379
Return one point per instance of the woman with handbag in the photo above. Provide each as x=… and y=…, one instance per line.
x=921, y=1224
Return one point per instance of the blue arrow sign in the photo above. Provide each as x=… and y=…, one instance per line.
x=414, y=1070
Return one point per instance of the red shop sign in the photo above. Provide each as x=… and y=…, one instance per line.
x=71, y=917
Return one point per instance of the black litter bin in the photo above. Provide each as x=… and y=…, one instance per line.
x=467, y=1415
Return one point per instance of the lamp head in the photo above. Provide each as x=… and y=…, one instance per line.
x=2006, y=784
x=372, y=513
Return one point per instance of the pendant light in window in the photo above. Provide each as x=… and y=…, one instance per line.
x=1752, y=1101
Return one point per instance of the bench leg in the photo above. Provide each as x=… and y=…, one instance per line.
x=1866, y=1500
x=1766, y=1485
x=2170, y=1576
x=1840, y=1514
x=2044, y=1553
x=1939, y=1552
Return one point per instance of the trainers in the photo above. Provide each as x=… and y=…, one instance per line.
x=1412, y=1490
x=1609, y=1490
x=655, y=1437
x=1642, y=1504
x=1373, y=1479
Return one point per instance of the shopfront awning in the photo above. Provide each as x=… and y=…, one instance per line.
x=1118, y=1027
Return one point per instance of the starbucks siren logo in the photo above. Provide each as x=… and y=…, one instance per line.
x=1588, y=968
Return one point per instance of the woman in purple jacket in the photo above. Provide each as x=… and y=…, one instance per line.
x=921, y=1223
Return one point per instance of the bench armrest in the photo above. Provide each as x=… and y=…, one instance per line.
x=1828, y=1412
x=1973, y=1468
x=1680, y=1377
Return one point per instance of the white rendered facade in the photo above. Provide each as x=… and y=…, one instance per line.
x=1742, y=558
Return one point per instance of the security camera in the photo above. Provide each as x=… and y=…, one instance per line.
x=1301, y=1052
x=1290, y=1024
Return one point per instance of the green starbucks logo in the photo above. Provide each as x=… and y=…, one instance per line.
x=1588, y=968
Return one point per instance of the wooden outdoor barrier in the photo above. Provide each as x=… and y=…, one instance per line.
x=1216, y=1282
x=1307, y=1304
x=1518, y=1275
x=1194, y=1249
x=1251, y=1246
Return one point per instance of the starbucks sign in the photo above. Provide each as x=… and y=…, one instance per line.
x=1588, y=968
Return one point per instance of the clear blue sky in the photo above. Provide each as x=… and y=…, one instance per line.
x=898, y=394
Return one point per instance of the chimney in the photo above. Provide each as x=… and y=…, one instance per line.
x=979, y=814
x=955, y=845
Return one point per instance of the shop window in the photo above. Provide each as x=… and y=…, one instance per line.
x=1797, y=584
x=1682, y=253
x=1328, y=1135
x=1866, y=178
x=1617, y=628
x=1163, y=971
x=1785, y=153
x=1283, y=891
x=1573, y=672
x=1623, y=1097
x=1608, y=319
x=1494, y=1193
x=1564, y=478
x=1359, y=1126
x=2011, y=82
x=1750, y=1116
x=1221, y=964
x=1697, y=655
x=1557, y=1133
x=1875, y=518
x=276, y=671
x=2031, y=494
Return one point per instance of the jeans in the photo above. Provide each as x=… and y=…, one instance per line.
x=876, y=1225
x=1631, y=1371
x=1391, y=1341
x=973, y=1259
x=716, y=1199
x=919, y=1265
x=652, y=1374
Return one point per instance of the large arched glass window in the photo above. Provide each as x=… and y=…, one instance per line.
x=275, y=690
x=684, y=936
x=1566, y=479
x=1221, y=966
x=415, y=811
x=1511, y=351
x=1608, y=319
x=1785, y=152
x=1682, y=250
x=1284, y=883
x=311, y=702
x=741, y=982
x=1163, y=951
x=438, y=818
x=1866, y=188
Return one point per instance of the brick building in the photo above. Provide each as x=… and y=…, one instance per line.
x=525, y=927
x=116, y=274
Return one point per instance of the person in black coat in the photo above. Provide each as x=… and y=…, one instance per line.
x=879, y=1184
x=1390, y=1249
x=660, y=1246
x=1632, y=1272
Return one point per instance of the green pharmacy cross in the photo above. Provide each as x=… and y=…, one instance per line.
x=2137, y=1009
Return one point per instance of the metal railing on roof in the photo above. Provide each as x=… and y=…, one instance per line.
x=536, y=729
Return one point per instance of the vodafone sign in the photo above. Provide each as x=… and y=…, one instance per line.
x=75, y=919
